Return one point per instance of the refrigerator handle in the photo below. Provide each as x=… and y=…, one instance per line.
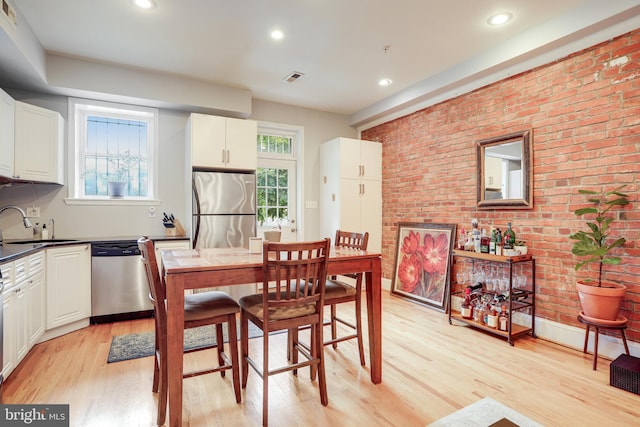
x=196, y=212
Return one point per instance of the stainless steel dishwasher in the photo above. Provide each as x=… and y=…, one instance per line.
x=119, y=289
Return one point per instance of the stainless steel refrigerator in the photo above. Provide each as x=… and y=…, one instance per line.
x=224, y=209
x=224, y=214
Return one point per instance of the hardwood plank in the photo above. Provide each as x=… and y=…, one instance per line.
x=430, y=369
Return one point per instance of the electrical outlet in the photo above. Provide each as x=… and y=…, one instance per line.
x=152, y=212
x=33, y=212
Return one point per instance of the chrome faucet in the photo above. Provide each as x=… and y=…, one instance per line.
x=25, y=220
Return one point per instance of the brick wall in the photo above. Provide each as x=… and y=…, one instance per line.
x=584, y=111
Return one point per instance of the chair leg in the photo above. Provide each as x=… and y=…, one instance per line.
x=163, y=391
x=586, y=340
x=265, y=380
x=624, y=340
x=244, y=347
x=595, y=349
x=314, y=348
x=334, y=328
x=319, y=347
x=156, y=374
x=233, y=348
x=293, y=347
x=220, y=347
x=359, y=328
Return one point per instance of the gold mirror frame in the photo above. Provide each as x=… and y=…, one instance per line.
x=485, y=199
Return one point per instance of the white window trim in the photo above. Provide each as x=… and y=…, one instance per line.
x=74, y=155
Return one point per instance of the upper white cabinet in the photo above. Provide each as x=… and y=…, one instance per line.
x=222, y=143
x=39, y=144
x=7, y=120
x=351, y=188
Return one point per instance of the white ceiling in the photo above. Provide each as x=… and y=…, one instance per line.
x=435, y=45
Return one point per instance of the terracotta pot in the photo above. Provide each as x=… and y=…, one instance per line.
x=601, y=302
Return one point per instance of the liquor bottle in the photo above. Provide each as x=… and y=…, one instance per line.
x=467, y=310
x=492, y=317
x=509, y=237
x=492, y=242
x=503, y=319
x=498, y=242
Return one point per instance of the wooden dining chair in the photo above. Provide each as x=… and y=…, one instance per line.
x=292, y=296
x=208, y=308
x=338, y=292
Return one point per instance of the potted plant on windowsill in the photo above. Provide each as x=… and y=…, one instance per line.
x=599, y=299
x=118, y=173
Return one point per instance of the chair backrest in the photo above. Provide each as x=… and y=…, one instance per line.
x=157, y=293
x=351, y=239
x=295, y=274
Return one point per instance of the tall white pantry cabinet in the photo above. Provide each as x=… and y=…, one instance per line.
x=351, y=188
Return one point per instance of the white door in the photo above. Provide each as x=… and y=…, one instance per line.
x=277, y=198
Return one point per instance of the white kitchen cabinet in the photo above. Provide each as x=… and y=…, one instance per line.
x=493, y=173
x=7, y=126
x=23, y=308
x=68, y=290
x=222, y=143
x=10, y=319
x=39, y=144
x=351, y=188
x=36, y=303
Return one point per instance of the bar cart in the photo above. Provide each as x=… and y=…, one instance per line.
x=518, y=299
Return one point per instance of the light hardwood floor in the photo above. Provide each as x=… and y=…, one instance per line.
x=430, y=370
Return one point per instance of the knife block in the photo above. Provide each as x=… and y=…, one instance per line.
x=177, y=231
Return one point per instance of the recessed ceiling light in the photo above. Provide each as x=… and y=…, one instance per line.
x=385, y=82
x=277, y=34
x=500, y=18
x=145, y=4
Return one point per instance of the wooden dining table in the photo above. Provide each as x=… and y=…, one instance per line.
x=207, y=268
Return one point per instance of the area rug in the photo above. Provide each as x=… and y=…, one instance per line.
x=134, y=346
x=485, y=413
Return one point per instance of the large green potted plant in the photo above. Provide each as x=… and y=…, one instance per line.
x=599, y=299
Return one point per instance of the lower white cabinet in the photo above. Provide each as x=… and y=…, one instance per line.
x=68, y=284
x=23, y=308
x=36, y=302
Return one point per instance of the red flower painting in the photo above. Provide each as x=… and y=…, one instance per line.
x=422, y=263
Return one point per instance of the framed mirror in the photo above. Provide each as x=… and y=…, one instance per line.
x=505, y=172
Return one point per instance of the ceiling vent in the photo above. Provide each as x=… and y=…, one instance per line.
x=8, y=11
x=293, y=76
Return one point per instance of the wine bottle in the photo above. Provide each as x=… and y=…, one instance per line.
x=466, y=309
x=503, y=319
x=509, y=237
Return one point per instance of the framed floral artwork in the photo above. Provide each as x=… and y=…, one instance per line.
x=423, y=263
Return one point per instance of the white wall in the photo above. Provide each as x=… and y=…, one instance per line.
x=126, y=221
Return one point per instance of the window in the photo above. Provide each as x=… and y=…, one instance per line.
x=273, y=195
x=114, y=148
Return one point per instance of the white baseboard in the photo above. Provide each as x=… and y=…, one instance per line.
x=570, y=336
x=64, y=329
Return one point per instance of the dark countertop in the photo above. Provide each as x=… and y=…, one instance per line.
x=14, y=249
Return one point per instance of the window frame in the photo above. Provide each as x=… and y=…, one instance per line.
x=79, y=109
